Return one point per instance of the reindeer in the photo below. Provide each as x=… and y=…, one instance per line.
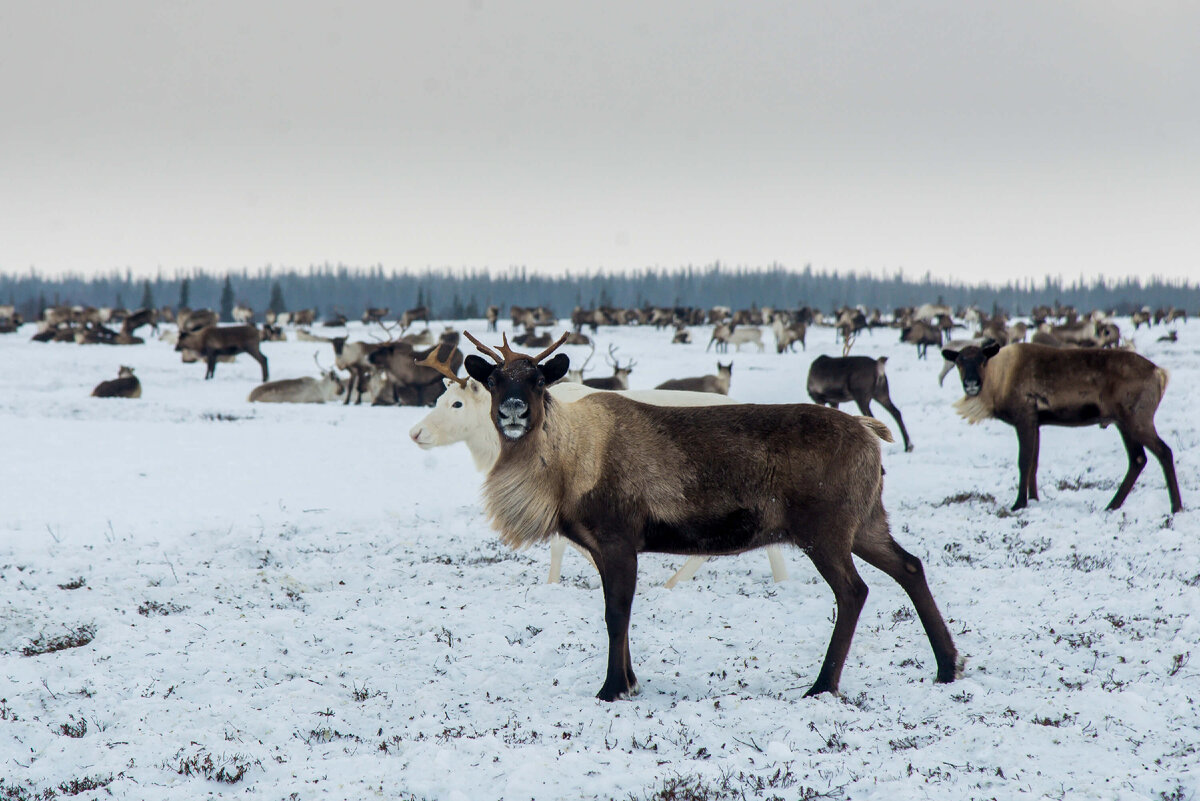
x=139, y=318
x=682, y=335
x=620, y=377
x=353, y=357
x=921, y=334
x=412, y=315
x=125, y=385
x=374, y=314
x=854, y=378
x=415, y=377
x=300, y=390
x=215, y=341
x=619, y=478
x=492, y=315
x=1029, y=386
x=190, y=320
x=243, y=314
x=532, y=339
x=788, y=334
x=717, y=384
x=303, y=317
x=575, y=376
x=726, y=334
x=463, y=414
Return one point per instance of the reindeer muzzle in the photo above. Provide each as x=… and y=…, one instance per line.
x=512, y=418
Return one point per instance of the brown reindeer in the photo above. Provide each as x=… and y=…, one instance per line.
x=215, y=341
x=125, y=385
x=373, y=314
x=416, y=376
x=717, y=384
x=620, y=478
x=833, y=380
x=1029, y=386
x=921, y=334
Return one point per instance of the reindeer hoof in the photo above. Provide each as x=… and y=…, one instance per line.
x=617, y=693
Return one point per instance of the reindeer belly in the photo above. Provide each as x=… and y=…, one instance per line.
x=735, y=532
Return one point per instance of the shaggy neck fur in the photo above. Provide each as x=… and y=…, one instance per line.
x=997, y=375
x=525, y=490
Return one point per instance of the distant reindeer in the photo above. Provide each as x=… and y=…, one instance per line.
x=412, y=315
x=215, y=341
x=620, y=377
x=860, y=379
x=717, y=384
x=125, y=385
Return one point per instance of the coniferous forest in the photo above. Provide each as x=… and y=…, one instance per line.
x=465, y=293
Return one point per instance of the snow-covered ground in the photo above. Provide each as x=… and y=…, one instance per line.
x=300, y=597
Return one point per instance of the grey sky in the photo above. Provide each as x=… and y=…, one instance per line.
x=975, y=140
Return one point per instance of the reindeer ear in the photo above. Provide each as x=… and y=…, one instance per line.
x=949, y=355
x=991, y=349
x=478, y=369
x=556, y=368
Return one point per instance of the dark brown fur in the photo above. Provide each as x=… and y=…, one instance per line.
x=854, y=378
x=618, y=478
x=1029, y=386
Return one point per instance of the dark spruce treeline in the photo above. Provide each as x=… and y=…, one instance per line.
x=467, y=293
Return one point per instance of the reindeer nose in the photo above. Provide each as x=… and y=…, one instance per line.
x=415, y=434
x=514, y=409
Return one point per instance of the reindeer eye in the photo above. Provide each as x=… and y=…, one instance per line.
x=457, y=405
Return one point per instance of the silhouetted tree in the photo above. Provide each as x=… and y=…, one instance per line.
x=227, y=301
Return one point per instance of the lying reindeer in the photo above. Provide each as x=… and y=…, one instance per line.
x=619, y=477
x=125, y=385
x=717, y=384
x=325, y=389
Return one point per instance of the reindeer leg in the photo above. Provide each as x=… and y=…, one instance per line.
x=212, y=366
x=850, y=592
x=618, y=575
x=1033, y=467
x=686, y=572
x=1137, y=461
x=1026, y=448
x=886, y=402
x=558, y=546
x=875, y=546
x=1166, y=459
x=778, y=565
x=350, y=386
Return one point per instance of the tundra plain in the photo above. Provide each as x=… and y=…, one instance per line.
x=203, y=596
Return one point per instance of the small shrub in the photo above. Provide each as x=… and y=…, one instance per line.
x=78, y=637
x=73, y=584
x=148, y=608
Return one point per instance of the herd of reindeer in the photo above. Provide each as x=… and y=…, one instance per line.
x=617, y=472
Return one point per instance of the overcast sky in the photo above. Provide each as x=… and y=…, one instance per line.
x=982, y=141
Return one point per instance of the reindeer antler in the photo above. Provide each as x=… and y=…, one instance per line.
x=507, y=355
x=431, y=360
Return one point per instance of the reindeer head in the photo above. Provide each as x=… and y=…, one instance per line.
x=517, y=384
x=970, y=362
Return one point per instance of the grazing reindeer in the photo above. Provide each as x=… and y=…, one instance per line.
x=619, y=478
x=1029, y=386
x=125, y=385
x=717, y=384
x=215, y=341
x=726, y=334
x=492, y=315
x=853, y=378
x=620, y=377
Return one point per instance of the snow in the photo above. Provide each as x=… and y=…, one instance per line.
x=341, y=622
